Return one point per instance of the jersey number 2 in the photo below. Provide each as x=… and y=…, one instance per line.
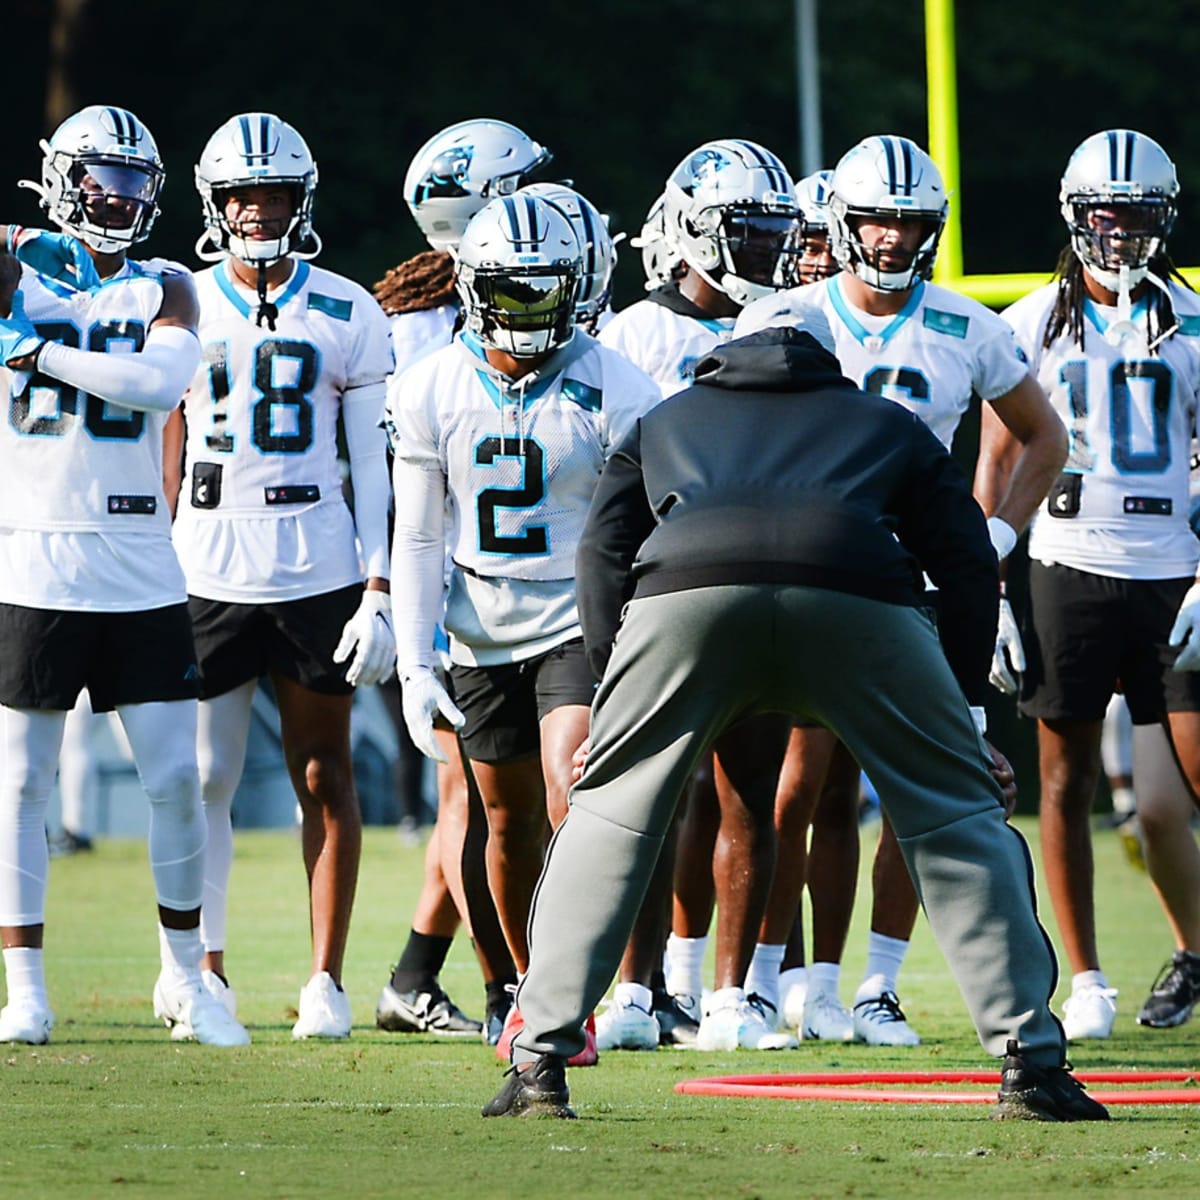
x=531, y=491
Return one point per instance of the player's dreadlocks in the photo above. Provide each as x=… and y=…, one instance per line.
x=1068, y=307
x=424, y=281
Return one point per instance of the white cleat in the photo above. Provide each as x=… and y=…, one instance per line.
x=1089, y=1012
x=826, y=1019
x=880, y=1021
x=624, y=1026
x=324, y=1009
x=30, y=1026
x=194, y=1014
x=792, y=1011
x=216, y=987
x=734, y=1023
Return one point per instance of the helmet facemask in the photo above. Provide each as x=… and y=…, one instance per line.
x=865, y=262
x=744, y=251
x=1116, y=238
x=522, y=312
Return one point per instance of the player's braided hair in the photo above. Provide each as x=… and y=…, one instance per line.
x=1068, y=306
x=424, y=281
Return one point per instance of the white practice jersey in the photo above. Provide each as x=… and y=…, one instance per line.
x=416, y=334
x=667, y=345
x=1121, y=507
x=931, y=357
x=84, y=524
x=520, y=463
x=262, y=516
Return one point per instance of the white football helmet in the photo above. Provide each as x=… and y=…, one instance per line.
x=813, y=260
x=101, y=178
x=250, y=149
x=1121, y=170
x=660, y=257
x=812, y=194
x=460, y=169
x=519, y=265
x=730, y=208
x=595, y=244
x=886, y=177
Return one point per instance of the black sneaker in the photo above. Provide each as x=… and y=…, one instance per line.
x=676, y=1026
x=537, y=1091
x=1174, y=994
x=67, y=842
x=1029, y=1093
x=423, y=1010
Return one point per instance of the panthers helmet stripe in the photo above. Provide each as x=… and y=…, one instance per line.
x=522, y=218
x=590, y=241
x=124, y=126
x=251, y=149
x=776, y=171
x=898, y=153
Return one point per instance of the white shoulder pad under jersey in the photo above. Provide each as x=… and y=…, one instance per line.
x=71, y=460
x=1121, y=506
x=416, y=334
x=931, y=357
x=262, y=410
x=666, y=345
x=521, y=461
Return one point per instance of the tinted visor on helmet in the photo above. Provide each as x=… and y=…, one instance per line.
x=115, y=195
x=1117, y=234
x=758, y=245
x=530, y=300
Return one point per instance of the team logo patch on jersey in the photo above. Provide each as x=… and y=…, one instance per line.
x=1188, y=326
x=331, y=306
x=582, y=394
x=953, y=324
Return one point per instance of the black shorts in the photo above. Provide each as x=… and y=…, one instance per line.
x=504, y=704
x=1087, y=635
x=293, y=638
x=48, y=657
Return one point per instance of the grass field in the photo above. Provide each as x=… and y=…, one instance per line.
x=113, y=1107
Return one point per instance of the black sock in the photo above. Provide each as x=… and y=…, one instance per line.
x=421, y=961
x=499, y=995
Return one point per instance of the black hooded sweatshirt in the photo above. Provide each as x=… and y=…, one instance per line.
x=774, y=468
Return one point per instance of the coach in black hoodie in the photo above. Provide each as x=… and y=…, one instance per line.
x=756, y=545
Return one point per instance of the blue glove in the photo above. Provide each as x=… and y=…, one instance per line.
x=17, y=334
x=58, y=256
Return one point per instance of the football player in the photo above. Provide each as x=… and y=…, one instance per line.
x=1115, y=341
x=96, y=350
x=267, y=541
x=815, y=260
x=453, y=175
x=499, y=439
x=930, y=350
x=722, y=236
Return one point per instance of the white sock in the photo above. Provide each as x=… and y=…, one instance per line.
x=180, y=950
x=687, y=965
x=793, y=977
x=25, y=972
x=763, y=977
x=1083, y=979
x=885, y=957
x=634, y=994
x=823, y=978
x=730, y=997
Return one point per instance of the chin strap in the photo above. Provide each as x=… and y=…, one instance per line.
x=266, y=310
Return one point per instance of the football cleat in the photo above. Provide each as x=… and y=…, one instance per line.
x=220, y=989
x=625, y=1026
x=193, y=1014
x=880, y=1021
x=826, y=1018
x=1089, y=1012
x=1174, y=994
x=423, y=1010
x=28, y=1025
x=324, y=1010
x=731, y=1022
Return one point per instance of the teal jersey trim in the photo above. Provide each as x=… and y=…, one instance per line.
x=331, y=306
x=1188, y=326
x=1100, y=323
x=954, y=324
x=582, y=394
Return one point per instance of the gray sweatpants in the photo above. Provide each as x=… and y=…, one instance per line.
x=688, y=664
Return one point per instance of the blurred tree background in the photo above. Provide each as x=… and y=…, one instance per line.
x=620, y=90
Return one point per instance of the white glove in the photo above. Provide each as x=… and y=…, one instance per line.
x=1008, y=638
x=423, y=697
x=368, y=636
x=1186, y=631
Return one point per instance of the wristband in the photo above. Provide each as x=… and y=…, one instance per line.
x=979, y=716
x=1003, y=536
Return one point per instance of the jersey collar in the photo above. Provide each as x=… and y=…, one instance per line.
x=872, y=341
x=233, y=294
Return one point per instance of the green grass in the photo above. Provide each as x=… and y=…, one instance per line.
x=113, y=1107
